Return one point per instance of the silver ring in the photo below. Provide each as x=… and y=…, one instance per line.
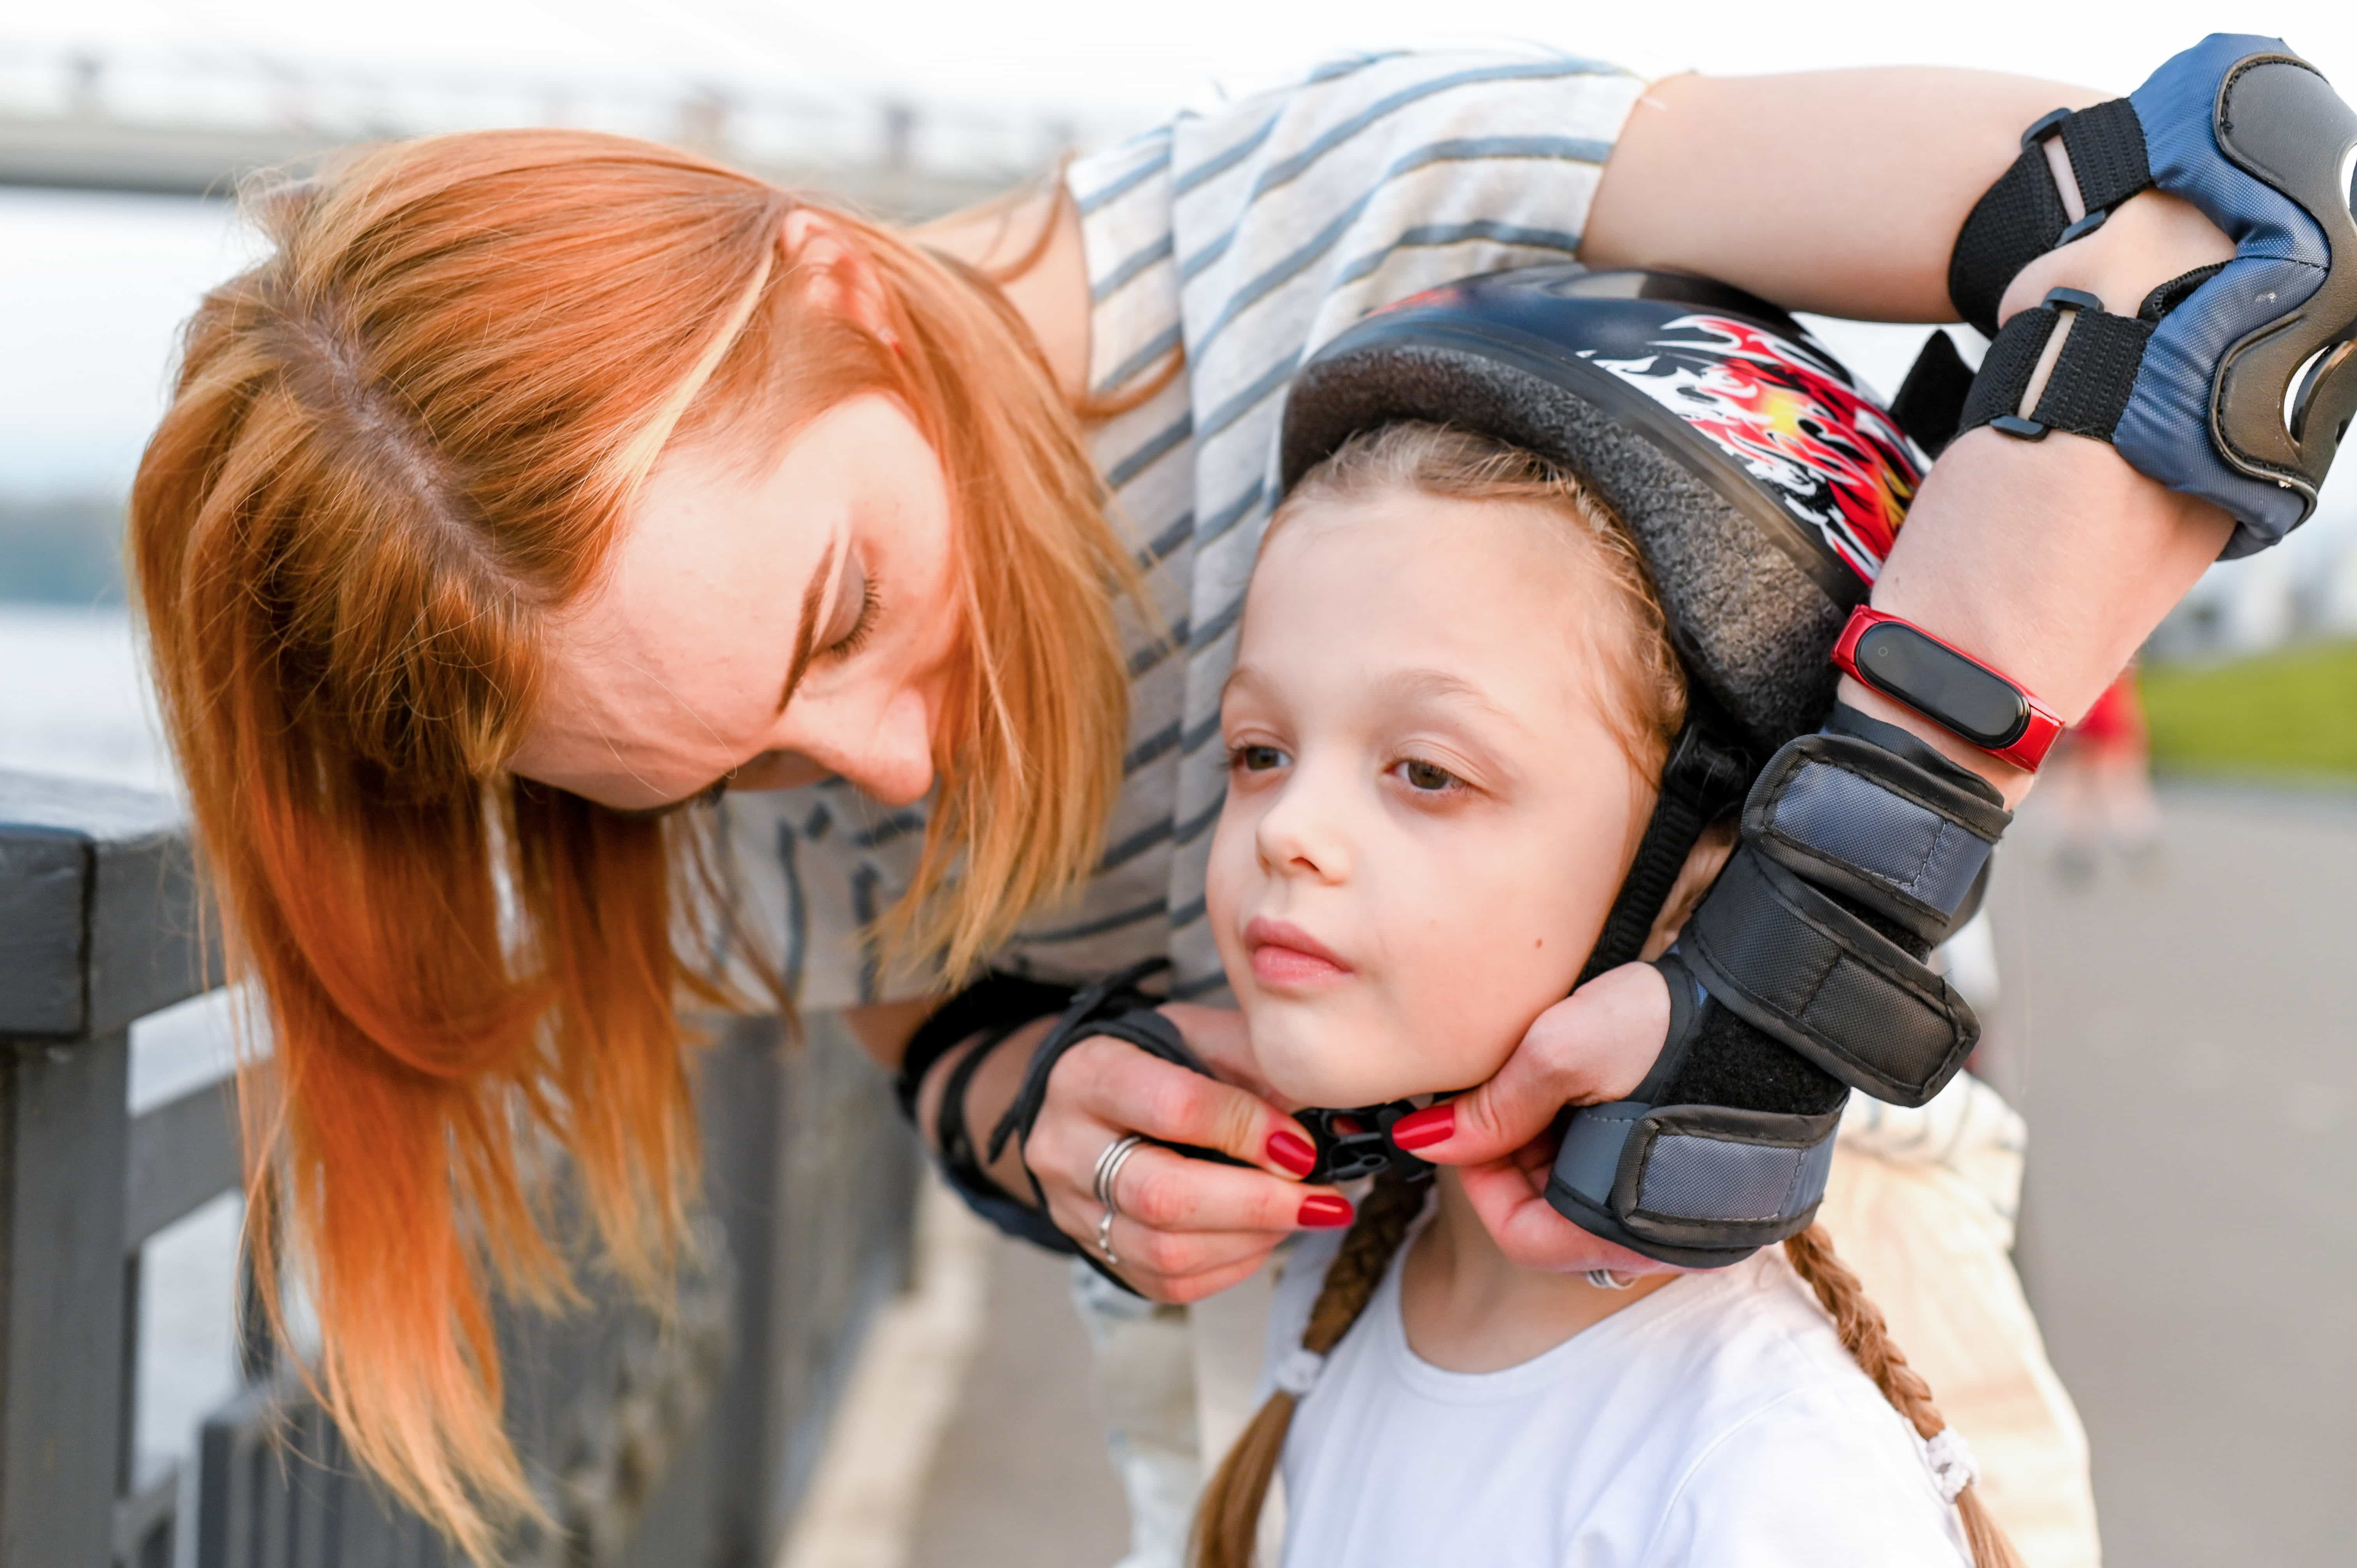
x=1116, y=1155
x=1605, y=1279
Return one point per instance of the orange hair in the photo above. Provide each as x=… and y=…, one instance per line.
x=398, y=445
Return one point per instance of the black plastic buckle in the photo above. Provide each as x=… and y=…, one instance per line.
x=2045, y=125
x=2056, y=300
x=1358, y=1143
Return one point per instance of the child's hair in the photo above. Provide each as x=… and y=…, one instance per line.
x=1648, y=703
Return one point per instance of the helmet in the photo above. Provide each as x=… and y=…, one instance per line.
x=1762, y=485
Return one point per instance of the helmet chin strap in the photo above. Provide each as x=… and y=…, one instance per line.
x=1708, y=771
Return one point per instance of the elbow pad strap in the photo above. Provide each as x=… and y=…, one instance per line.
x=2022, y=217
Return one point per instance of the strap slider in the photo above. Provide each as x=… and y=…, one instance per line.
x=2084, y=226
x=2020, y=429
x=2071, y=298
x=2045, y=125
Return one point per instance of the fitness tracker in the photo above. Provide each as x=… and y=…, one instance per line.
x=1951, y=688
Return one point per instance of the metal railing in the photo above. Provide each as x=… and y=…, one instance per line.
x=189, y=122
x=684, y=1441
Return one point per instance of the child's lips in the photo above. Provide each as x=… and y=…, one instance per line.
x=1287, y=958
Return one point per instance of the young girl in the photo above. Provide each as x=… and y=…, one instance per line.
x=1453, y=695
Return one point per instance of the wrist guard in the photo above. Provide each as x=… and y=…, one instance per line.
x=1800, y=976
x=2233, y=383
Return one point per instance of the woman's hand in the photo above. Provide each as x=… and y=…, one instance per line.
x=1596, y=1044
x=1183, y=1229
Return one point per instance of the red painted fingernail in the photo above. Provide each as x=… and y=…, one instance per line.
x=1433, y=1124
x=1293, y=1152
x=1323, y=1212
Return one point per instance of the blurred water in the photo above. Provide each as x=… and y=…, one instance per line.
x=73, y=700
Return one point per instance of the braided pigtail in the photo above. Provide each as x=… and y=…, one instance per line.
x=1227, y=1520
x=1867, y=1338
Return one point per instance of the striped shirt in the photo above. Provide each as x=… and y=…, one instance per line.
x=1245, y=239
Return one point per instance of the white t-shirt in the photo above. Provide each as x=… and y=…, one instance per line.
x=1717, y=1423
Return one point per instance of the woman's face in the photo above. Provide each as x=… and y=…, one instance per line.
x=765, y=623
x=1427, y=812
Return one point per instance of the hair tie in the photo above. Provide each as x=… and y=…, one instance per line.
x=1297, y=1373
x=1950, y=1458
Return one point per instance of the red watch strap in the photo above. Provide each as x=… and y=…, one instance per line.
x=2025, y=750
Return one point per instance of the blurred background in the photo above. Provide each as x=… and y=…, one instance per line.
x=2170, y=1021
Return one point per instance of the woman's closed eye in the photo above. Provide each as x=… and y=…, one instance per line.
x=870, y=602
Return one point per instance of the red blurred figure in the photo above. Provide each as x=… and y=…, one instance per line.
x=2102, y=781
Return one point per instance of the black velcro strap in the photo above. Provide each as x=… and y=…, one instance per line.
x=2088, y=386
x=2021, y=217
x=2105, y=143
x=2016, y=221
x=1693, y=1185
x=1112, y=1006
x=1850, y=816
x=1788, y=960
x=997, y=1001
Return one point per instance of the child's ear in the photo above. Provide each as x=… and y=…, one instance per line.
x=1701, y=869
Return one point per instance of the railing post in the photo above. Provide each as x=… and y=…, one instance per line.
x=87, y=873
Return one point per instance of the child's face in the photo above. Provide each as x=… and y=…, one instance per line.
x=1428, y=811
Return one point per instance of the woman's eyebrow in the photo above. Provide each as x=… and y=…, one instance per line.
x=806, y=639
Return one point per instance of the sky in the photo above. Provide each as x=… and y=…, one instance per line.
x=91, y=288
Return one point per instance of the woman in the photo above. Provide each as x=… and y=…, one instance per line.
x=540, y=485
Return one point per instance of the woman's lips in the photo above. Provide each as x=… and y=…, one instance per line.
x=1287, y=958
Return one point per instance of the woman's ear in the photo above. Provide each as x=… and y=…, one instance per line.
x=1703, y=865
x=836, y=273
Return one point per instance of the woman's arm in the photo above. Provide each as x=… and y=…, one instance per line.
x=1838, y=191
x=2050, y=560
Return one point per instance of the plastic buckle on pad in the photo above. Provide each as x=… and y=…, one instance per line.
x=2045, y=125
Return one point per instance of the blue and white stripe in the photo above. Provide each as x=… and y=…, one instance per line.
x=1245, y=238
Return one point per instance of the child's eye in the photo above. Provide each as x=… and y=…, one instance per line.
x=1254, y=758
x=1427, y=777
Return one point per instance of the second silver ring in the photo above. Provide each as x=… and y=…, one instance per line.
x=1116, y=1155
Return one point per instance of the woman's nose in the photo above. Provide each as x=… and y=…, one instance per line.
x=886, y=749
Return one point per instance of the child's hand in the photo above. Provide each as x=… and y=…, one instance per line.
x=1595, y=1046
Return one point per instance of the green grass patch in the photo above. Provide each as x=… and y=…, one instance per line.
x=2293, y=713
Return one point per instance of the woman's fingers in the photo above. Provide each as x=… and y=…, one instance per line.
x=1182, y=1229
x=1595, y=1046
x=1169, y=1192
x=1122, y=1085
x=1511, y=1198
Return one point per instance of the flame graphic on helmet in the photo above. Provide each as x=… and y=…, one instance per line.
x=1835, y=461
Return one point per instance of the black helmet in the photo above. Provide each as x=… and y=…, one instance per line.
x=1762, y=485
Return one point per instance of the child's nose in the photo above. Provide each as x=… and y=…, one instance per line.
x=1301, y=832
